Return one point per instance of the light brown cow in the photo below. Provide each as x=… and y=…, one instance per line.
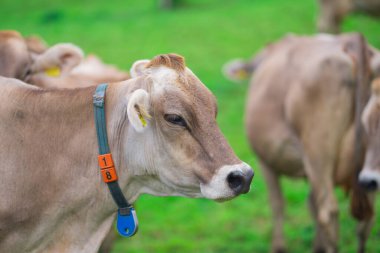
x=53, y=198
x=332, y=12
x=302, y=116
x=60, y=66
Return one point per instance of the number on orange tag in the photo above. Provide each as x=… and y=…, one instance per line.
x=109, y=175
x=105, y=161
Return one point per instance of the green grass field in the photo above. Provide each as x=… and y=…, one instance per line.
x=208, y=33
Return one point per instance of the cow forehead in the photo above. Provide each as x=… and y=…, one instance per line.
x=182, y=87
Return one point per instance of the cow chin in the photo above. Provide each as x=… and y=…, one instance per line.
x=220, y=195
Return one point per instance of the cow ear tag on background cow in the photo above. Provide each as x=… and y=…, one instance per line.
x=127, y=223
x=53, y=72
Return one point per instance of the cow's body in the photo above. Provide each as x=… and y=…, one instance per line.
x=53, y=197
x=302, y=117
x=43, y=180
x=332, y=12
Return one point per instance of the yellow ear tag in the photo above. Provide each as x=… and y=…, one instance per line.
x=143, y=121
x=242, y=74
x=53, y=72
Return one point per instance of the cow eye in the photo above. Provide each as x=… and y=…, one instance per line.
x=175, y=120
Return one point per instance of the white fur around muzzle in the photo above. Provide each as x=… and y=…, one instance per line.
x=217, y=188
x=368, y=175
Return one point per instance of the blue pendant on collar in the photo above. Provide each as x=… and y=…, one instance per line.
x=127, y=223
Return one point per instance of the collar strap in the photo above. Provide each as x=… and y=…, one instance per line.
x=127, y=223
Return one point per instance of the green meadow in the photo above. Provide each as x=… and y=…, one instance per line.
x=208, y=33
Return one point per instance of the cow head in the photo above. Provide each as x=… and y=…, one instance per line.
x=369, y=177
x=174, y=119
x=63, y=66
x=56, y=61
x=29, y=60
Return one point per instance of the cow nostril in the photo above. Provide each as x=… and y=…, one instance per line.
x=235, y=181
x=368, y=184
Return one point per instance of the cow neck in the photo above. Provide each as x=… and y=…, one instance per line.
x=127, y=223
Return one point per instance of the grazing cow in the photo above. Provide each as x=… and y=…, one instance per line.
x=332, y=12
x=162, y=133
x=60, y=66
x=303, y=120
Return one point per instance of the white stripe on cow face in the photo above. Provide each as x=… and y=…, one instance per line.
x=228, y=181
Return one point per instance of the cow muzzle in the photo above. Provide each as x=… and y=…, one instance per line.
x=239, y=182
x=369, y=180
x=229, y=181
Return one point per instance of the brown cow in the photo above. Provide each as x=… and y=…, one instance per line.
x=162, y=133
x=60, y=66
x=332, y=12
x=302, y=116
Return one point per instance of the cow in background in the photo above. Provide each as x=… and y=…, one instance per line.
x=332, y=12
x=303, y=120
x=60, y=66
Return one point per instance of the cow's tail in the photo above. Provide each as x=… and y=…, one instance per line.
x=361, y=206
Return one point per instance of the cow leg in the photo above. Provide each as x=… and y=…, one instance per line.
x=326, y=206
x=318, y=246
x=364, y=228
x=277, y=204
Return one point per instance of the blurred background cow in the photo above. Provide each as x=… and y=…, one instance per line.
x=295, y=101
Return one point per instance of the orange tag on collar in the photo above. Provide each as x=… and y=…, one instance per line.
x=107, y=168
x=105, y=161
x=109, y=175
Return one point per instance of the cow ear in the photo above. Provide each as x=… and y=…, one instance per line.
x=139, y=68
x=235, y=70
x=59, y=59
x=138, y=110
